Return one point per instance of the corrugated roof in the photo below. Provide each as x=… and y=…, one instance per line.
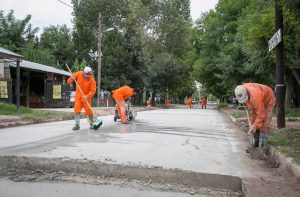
x=8, y=53
x=39, y=67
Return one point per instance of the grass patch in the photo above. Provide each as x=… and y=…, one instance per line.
x=292, y=112
x=288, y=141
x=222, y=105
x=238, y=113
x=37, y=116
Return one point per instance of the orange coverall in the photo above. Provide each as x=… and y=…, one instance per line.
x=204, y=102
x=260, y=104
x=189, y=102
x=120, y=95
x=88, y=87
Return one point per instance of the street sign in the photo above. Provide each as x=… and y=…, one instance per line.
x=275, y=40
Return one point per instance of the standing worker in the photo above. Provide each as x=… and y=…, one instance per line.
x=120, y=95
x=190, y=102
x=204, y=102
x=260, y=101
x=88, y=86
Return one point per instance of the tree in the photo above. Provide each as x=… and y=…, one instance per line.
x=14, y=33
x=58, y=41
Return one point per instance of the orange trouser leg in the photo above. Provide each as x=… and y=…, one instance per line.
x=122, y=110
x=87, y=109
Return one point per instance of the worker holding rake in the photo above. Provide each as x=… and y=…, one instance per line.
x=260, y=101
x=83, y=95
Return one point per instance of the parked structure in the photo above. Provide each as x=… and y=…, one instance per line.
x=40, y=85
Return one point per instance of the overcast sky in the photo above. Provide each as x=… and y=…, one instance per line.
x=54, y=12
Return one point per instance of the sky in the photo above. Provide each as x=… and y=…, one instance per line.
x=54, y=12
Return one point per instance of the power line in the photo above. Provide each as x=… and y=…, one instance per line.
x=65, y=4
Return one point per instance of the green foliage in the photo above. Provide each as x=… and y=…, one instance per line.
x=292, y=112
x=222, y=105
x=14, y=33
x=9, y=109
x=58, y=41
x=36, y=116
x=288, y=141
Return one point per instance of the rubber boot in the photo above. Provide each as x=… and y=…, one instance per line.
x=256, y=137
x=77, y=122
x=91, y=121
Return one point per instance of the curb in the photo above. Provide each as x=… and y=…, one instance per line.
x=285, y=163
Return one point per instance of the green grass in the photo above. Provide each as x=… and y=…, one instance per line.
x=238, y=114
x=292, y=112
x=222, y=105
x=37, y=116
x=288, y=141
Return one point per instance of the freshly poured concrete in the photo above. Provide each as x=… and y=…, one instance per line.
x=187, y=139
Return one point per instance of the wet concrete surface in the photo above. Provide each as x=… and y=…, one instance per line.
x=187, y=140
x=195, y=140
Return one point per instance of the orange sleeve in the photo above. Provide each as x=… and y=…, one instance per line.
x=70, y=80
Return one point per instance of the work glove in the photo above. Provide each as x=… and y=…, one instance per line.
x=84, y=97
x=252, y=129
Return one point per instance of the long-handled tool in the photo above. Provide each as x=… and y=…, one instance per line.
x=98, y=121
x=250, y=134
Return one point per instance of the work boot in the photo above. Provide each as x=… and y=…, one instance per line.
x=91, y=126
x=76, y=127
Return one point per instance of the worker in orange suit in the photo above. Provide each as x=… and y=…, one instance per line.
x=120, y=95
x=167, y=103
x=204, y=102
x=260, y=100
x=87, y=83
x=190, y=102
x=149, y=103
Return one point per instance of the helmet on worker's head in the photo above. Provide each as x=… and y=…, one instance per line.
x=87, y=70
x=241, y=93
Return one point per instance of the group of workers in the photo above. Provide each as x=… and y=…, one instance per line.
x=259, y=99
x=203, y=102
x=86, y=91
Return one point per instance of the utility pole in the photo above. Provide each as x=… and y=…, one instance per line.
x=99, y=60
x=280, y=69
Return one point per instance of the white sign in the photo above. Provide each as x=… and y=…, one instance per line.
x=275, y=40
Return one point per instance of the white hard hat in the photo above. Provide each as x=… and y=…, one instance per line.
x=87, y=70
x=241, y=93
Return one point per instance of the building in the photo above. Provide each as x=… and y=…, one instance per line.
x=41, y=86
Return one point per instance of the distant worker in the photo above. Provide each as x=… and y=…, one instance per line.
x=204, y=102
x=88, y=86
x=101, y=98
x=148, y=102
x=167, y=103
x=120, y=95
x=260, y=101
x=190, y=102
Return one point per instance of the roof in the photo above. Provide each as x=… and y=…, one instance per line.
x=4, y=53
x=39, y=67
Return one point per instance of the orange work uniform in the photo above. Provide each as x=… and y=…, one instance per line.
x=189, y=102
x=260, y=104
x=88, y=87
x=120, y=95
x=204, y=103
